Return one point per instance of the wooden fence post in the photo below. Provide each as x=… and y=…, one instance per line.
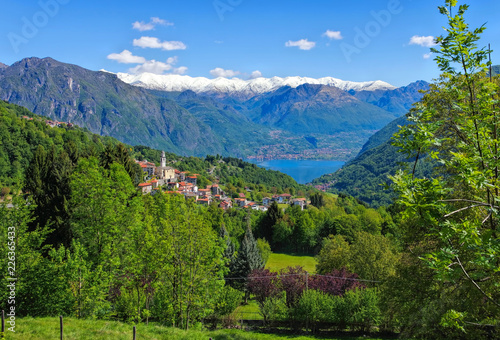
x=134, y=333
x=61, y=324
x=3, y=321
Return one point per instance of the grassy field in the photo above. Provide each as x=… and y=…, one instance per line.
x=75, y=329
x=249, y=311
x=278, y=261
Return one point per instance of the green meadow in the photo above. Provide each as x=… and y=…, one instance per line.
x=77, y=329
x=279, y=261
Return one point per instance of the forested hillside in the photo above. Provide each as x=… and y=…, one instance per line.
x=366, y=177
x=86, y=222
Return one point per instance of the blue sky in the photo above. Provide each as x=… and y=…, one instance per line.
x=352, y=40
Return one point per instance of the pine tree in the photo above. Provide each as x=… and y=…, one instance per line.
x=229, y=251
x=247, y=259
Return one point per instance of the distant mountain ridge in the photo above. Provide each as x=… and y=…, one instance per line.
x=105, y=105
x=239, y=87
x=312, y=121
x=312, y=108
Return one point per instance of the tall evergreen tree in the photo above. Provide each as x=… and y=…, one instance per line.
x=47, y=180
x=247, y=259
x=229, y=251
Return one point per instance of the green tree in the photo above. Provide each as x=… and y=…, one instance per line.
x=247, y=259
x=372, y=257
x=334, y=254
x=47, y=180
x=318, y=200
x=190, y=263
x=456, y=210
x=264, y=249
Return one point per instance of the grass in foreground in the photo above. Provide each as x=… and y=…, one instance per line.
x=249, y=311
x=76, y=329
x=279, y=261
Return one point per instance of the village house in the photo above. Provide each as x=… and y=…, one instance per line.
x=286, y=197
x=240, y=202
x=278, y=199
x=147, y=167
x=205, y=201
x=266, y=201
x=225, y=205
x=146, y=188
x=301, y=202
x=182, y=175
x=191, y=179
x=215, y=189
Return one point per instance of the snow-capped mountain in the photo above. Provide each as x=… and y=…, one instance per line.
x=240, y=87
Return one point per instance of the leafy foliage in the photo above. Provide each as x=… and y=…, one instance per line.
x=455, y=210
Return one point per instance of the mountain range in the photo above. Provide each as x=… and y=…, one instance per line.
x=276, y=117
x=236, y=87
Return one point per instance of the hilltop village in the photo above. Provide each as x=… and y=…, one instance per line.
x=173, y=181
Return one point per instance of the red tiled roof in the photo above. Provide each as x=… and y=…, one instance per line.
x=144, y=184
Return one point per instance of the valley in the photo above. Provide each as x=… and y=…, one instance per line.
x=276, y=118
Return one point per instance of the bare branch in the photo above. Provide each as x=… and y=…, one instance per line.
x=474, y=282
x=486, y=219
x=465, y=208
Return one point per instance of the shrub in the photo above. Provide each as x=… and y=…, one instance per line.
x=4, y=191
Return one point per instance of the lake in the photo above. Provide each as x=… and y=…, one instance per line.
x=303, y=171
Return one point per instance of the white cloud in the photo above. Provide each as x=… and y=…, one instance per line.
x=335, y=35
x=302, y=44
x=152, y=42
x=143, y=26
x=427, y=55
x=172, y=60
x=126, y=57
x=151, y=66
x=423, y=41
x=159, y=67
x=180, y=70
x=220, y=72
x=158, y=21
x=256, y=74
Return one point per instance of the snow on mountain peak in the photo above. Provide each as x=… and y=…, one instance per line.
x=240, y=87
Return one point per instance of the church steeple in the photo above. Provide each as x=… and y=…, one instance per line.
x=163, y=160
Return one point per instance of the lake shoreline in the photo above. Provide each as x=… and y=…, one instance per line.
x=302, y=170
